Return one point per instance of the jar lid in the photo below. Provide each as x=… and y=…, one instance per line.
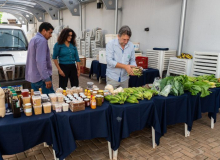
x=94, y=92
x=86, y=99
x=101, y=91
x=98, y=96
x=14, y=94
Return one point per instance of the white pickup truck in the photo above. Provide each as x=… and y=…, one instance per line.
x=13, y=55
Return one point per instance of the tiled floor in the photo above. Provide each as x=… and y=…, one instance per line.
x=203, y=143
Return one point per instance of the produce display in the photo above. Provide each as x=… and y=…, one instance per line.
x=74, y=99
x=131, y=95
x=185, y=56
x=137, y=71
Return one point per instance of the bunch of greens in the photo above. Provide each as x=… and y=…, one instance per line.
x=176, y=83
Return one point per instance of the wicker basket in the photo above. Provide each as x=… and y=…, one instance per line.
x=74, y=107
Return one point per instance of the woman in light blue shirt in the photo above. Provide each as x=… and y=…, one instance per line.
x=66, y=52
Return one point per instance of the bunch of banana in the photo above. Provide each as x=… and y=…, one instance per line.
x=185, y=56
x=211, y=83
x=120, y=98
x=132, y=99
x=148, y=95
x=139, y=95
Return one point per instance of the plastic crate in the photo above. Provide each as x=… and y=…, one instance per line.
x=82, y=62
x=142, y=62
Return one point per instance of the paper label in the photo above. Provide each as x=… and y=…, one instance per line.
x=28, y=110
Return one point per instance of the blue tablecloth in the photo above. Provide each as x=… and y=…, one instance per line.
x=147, y=78
x=128, y=118
x=20, y=134
x=172, y=110
x=82, y=125
x=95, y=69
x=148, y=75
x=208, y=104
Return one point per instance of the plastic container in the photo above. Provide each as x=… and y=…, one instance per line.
x=45, y=99
x=25, y=92
x=53, y=105
x=90, y=85
x=65, y=107
x=27, y=109
x=26, y=100
x=47, y=107
x=73, y=90
x=68, y=91
x=77, y=106
x=58, y=107
x=37, y=93
x=59, y=90
x=60, y=98
x=53, y=98
x=36, y=100
x=142, y=62
x=38, y=110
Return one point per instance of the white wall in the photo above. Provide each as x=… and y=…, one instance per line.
x=161, y=16
x=202, y=30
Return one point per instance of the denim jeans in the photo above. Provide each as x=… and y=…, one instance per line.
x=41, y=84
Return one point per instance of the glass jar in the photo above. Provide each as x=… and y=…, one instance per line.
x=87, y=102
x=101, y=92
x=94, y=93
x=98, y=100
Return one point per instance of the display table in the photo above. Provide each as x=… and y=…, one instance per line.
x=82, y=125
x=20, y=134
x=111, y=121
x=148, y=75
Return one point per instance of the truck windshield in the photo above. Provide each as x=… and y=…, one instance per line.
x=13, y=40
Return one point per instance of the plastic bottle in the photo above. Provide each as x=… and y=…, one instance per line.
x=2, y=103
x=64, y=93
x=40, y=89
x=93, y=103
x=86, y=92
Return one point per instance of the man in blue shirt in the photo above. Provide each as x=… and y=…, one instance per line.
x=38, y=67
x=120, y=57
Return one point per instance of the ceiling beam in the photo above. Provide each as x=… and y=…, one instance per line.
x=20, y=17
x=109, y=4
x=37, y=13
x=51, y=10
x=29, y=17
x=73, y=6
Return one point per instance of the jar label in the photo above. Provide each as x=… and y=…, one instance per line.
x=94, y=103
x=28, y=110
x=18, y=104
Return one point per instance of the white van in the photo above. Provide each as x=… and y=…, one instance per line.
x=13, y=55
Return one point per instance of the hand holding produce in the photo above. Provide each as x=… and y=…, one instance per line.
x=137, y=71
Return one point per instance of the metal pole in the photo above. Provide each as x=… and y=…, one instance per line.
x=182, y=26
x=81, y=19
x=59, y=17
x=116, y=16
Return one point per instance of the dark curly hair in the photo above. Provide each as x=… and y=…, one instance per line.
x=64, y=35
